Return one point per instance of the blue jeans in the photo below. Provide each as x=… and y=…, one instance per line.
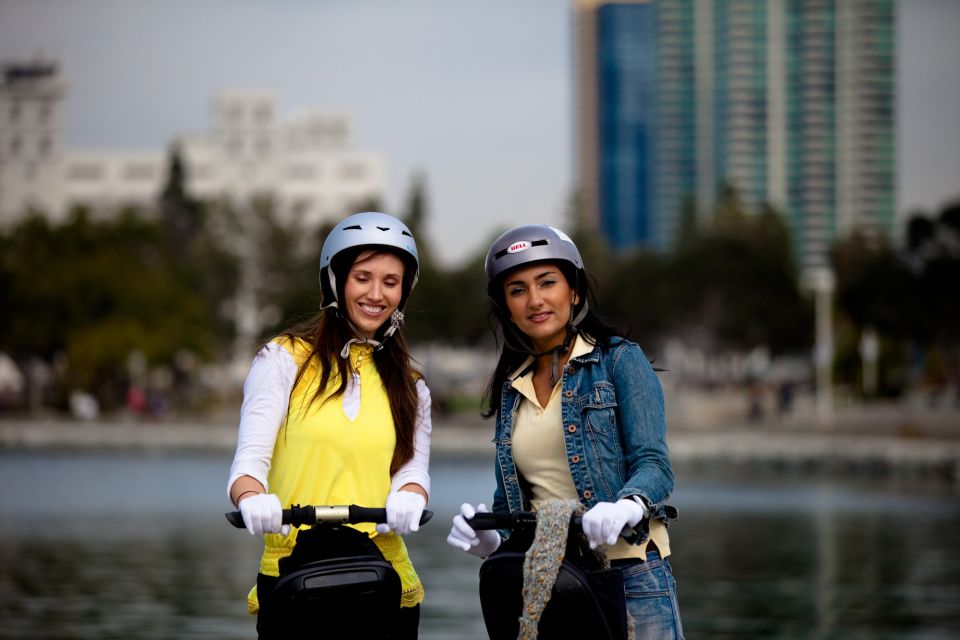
x=651, y=597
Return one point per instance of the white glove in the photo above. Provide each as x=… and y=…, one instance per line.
x=606, y=520
x=262, y=514
x=404, y=509
x=463, y=537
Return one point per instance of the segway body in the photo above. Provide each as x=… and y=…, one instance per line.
x=586, y=602
x=336, y=583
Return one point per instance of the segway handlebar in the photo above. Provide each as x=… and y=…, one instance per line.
x=337, y=514
x=514, y=521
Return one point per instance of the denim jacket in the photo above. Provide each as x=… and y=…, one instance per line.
x=614, y=431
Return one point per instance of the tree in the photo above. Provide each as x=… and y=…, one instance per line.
x=178, y=210
x=735, y=284
x=95, y=292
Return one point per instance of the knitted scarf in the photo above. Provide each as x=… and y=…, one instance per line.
x=543, y=559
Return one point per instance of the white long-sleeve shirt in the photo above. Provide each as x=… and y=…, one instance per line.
x=266, y=394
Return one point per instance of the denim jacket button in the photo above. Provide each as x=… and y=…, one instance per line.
x=575, y=459
x=568, y=393
x=570, y=369
x=588, y=494
x=571, y=428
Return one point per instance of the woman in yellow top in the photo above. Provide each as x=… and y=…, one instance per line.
x=333, y=412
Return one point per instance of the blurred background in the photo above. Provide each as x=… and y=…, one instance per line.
x=766, y=191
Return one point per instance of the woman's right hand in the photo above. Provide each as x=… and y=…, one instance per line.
x=263, y=513
x=463, y=537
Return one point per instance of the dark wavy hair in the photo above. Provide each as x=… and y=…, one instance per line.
x=593, y=328
x=327, y=332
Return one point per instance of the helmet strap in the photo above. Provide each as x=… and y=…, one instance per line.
x=395, y=322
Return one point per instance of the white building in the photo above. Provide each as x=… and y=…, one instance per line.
x=305, y=161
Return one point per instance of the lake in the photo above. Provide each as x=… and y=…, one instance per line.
x=136, y=547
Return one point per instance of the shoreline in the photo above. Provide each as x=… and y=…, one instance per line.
x=756, y=449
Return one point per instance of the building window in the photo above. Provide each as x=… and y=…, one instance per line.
x=43, y=113
x=353, y=172
x=139, y=171
x=16, y=146
x=44, y=147
x=201, y=172
x=262, y=114
x=301, y=172
x=15, y=111
x=85, y=172
x=232, y=114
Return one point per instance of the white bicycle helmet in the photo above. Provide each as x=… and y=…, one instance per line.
x=372, y=230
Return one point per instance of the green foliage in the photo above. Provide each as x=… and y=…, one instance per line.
x=449, y=305
x=95, y=291
x=910, y=297
x=733, y=285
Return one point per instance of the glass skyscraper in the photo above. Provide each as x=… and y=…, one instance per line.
x=788, y=101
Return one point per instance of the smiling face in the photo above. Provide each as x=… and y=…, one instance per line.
x=373, y=289
x=540, y=301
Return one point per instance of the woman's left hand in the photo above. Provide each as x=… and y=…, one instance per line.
x=605, y=521
x=404, y=509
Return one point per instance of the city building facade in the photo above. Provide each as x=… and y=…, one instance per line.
x=791, y=102
x=305, y=161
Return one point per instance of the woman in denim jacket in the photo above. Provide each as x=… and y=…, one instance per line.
x=579, y=415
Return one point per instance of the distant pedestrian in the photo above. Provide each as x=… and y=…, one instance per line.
x=334, y=413
x=579, y=415
x=785, y=398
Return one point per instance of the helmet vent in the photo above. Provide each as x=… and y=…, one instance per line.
x=384, y=228
x=354, y=227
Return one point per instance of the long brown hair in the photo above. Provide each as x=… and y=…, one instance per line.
x=326, y=333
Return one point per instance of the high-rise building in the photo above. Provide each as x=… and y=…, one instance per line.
x=788, y=101
x=31, y=135
x=306, y=161
x=617, y=89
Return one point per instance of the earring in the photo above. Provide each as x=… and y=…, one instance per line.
x=396, y=319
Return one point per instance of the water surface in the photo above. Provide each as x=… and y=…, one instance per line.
x=136, y=547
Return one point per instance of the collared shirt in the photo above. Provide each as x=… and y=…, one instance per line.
x=541, y=458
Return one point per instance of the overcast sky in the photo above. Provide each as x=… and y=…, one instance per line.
x=477, y=95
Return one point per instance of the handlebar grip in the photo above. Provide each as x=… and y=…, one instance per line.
x=379, y=515
x=234, y=518
x=486, y=520
x=296, y=516
x=367, y=514
x=514, y=521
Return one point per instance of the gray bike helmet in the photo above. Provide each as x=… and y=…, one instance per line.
x=366, y=230
x=530, y=243
x=524, y=245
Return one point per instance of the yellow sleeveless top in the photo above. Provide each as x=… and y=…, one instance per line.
x=322, y=457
